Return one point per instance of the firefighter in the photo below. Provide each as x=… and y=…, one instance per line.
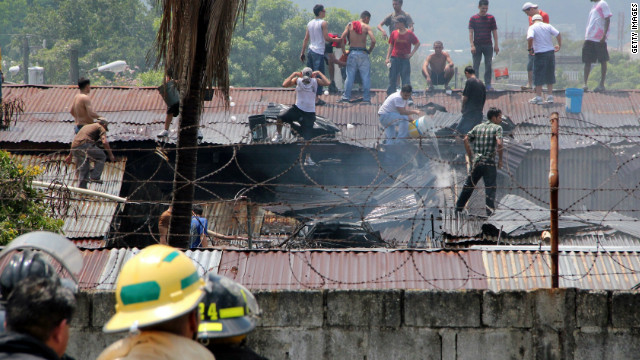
x=228, y=313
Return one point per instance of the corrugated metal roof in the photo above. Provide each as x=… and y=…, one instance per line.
x=142, y=110
x=585, y=270
x=392, y=269
x=276, y=270
x=86, y=217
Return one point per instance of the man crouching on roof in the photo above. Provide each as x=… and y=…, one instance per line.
x=304, y=110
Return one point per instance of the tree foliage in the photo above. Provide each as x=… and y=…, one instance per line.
x=22, y=208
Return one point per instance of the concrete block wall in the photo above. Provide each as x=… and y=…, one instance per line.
x=419, y=324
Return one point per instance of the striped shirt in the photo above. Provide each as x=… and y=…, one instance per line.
x=484, y=138
x=482, y=27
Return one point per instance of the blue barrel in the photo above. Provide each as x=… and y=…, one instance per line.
x=574, y=99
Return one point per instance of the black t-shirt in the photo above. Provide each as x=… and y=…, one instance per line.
x=476, y=95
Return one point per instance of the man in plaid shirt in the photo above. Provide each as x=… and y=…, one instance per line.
x=486, y=138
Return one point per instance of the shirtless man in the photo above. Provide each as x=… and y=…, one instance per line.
x=81, y=109
x=438, y=67
x=358, y=60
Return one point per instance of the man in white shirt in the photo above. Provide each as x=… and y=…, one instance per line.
x=316, y=35
x=395, y=112
x=595, y=43
x=304, y=111
x=540, y=41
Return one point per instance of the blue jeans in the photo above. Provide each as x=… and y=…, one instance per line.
x=488, y=172
x=389, y=122
x=399, y=67
x=358, y=60
x=487, y=51
x=316, y=63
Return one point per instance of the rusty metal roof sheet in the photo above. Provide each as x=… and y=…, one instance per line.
x=86, y=217
x=142, y=110
x=354, y=269
x=482, y=268
x=596, y=270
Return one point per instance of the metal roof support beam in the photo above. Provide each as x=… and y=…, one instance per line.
x=74, y=189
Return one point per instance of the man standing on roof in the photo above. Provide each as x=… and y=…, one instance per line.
x=392, y=19
x=85, y=150
x=395, y=112
x=81, y=109
x=540, y=42
x=39, y=311
x=595, y=43
x=358, y=60
x=304, y=110
x=474, y=96
x=486, y=138
x=532, y=9
x=438, y=67
x=481, y=26
x=316, y=35
x=157, y=297
x=399, y=54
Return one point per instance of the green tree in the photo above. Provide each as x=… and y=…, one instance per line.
x=22, y=208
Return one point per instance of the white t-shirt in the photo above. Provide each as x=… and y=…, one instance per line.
x=542, y=35
x=595, y=25
x=391, y=104
x=306, y=95
x=316, y=39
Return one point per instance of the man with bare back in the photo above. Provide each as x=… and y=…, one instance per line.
x=438, y=67
x=81, y=108
x=358, y=60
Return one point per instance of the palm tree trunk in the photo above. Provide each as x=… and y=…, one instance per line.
x=187, y=152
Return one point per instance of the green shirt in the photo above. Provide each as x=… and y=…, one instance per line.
x=484, y=138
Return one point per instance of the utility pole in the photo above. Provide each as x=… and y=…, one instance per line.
x=74, y=72
x=554, y=182
x=25, y=58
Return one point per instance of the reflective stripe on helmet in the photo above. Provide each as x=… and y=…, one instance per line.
x=232, y=312
x=211, y=327
x=189, y=280
x=138, y=293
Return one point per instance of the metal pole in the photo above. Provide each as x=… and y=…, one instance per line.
x=25, y=58
x=554, y=181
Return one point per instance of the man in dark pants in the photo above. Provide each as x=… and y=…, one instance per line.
x=481, y=27
x=473, y=97
x=595, y=42
x=486, y=138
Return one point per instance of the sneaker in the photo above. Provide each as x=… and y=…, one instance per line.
x=333, y=89
x=309, y=162
x=320, y=102
x=447, y=87
x=342, y=101
x=367, y=102
x=276, y=138
x=536, y=100
x=549, y=99
x=163, y=133
x=600, y=88
x=97, y=181
x=490, y=88
x=525, y=88
x=585, y=88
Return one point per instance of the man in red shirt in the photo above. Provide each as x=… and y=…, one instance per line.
x=400, y=53
x=532, y=9
x=481, y=26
